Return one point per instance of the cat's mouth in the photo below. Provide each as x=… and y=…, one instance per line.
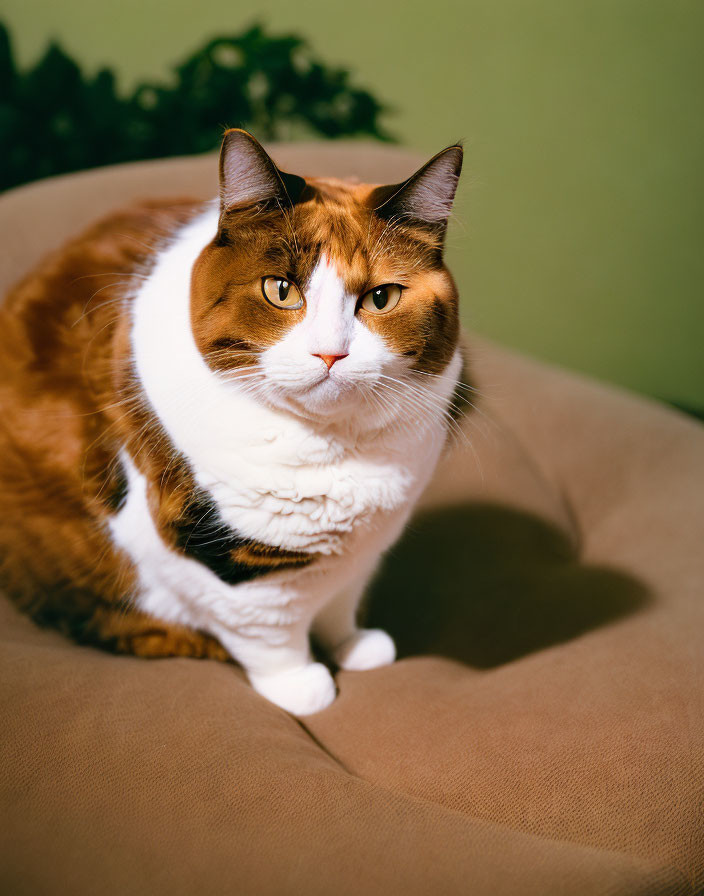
x=327, y=383
x=328, y=394
x=326, y=380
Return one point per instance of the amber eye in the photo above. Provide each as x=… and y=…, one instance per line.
x=382, y=298
x=281, y=293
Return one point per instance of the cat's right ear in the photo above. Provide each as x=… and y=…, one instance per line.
x=249, y=177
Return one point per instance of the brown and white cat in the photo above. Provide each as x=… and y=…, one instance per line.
x=217, y=417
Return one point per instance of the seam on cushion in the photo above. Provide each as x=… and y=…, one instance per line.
x=551, y=482
x=678, y=882
x=683, y=883
x=471, y=342
x=321, y=746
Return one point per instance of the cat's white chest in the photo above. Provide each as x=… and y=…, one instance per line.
x=304, y=492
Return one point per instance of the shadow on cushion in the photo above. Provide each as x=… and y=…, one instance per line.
x=485, y=584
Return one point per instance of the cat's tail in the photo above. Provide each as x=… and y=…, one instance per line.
x=130, y=631
x=119, y=628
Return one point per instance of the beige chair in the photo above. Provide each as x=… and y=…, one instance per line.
x=543, y=732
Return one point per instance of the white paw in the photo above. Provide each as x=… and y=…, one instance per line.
x=367, y=648
x=301, y=691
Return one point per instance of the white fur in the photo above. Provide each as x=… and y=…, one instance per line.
x=294, y=459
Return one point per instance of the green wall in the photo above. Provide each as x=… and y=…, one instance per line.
x=580, y=219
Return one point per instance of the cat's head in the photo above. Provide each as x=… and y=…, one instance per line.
x=324, y=297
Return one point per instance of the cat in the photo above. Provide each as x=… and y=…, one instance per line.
x=217, y=417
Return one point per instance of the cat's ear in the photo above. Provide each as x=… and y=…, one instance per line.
x=427, y=195
x=248, y=176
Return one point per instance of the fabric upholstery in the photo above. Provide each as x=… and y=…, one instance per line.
x=542, y=732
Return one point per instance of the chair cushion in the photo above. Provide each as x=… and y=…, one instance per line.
x=542, y=732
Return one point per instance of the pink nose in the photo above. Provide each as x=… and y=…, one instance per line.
x=329, y=359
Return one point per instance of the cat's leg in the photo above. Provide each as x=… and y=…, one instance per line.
x=351, y=647
x=280, y=667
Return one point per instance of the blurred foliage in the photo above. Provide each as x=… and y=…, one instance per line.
x=54, y=119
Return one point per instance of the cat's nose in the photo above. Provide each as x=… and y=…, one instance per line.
x=329, y=359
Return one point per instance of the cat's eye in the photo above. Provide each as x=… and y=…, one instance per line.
x=382, y=298
x=282, y=293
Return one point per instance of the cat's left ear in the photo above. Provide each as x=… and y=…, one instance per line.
x=426, y=197
x=248, y=175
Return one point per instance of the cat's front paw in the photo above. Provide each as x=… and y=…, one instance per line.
x=367, y=648
x=301, y=691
